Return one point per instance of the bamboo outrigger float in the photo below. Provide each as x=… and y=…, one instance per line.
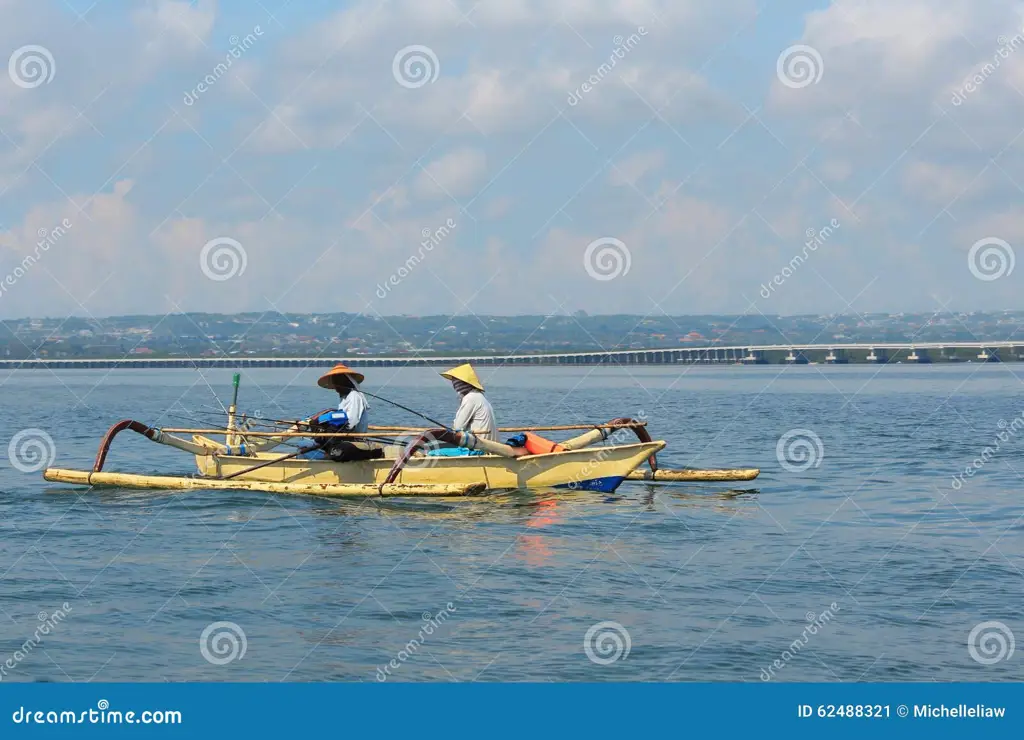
x=243, y=461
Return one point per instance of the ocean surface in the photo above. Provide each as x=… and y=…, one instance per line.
x=857, y=555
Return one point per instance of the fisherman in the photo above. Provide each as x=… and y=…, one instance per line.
x=475, y=413
x=350, y=416
x=345, y=381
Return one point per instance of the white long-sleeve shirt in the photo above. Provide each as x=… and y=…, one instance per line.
x=354, y=405
x=476, y=415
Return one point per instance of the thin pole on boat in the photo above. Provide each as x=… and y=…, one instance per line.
x=275, y=434
x=231, y=410
x=565, y=427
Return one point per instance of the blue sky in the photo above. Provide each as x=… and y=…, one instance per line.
x=700, y=159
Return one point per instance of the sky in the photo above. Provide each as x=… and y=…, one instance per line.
x=510, y=156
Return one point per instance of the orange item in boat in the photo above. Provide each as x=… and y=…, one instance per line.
x=537, y=445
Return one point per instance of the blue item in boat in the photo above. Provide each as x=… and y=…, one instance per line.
x=333, y=418
x=453, y=452
x=517, y=441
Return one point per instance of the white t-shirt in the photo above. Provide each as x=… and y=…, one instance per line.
x=476, y=415
x=354, y=405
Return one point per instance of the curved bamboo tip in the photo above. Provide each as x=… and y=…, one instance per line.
x=667, y=476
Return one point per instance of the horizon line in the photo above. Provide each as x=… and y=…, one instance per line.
x=586, y=314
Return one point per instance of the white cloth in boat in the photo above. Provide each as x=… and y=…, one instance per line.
x=355, y=407
x=476, y=415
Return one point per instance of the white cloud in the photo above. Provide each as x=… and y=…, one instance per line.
x=341, y=152
x=456, y=173
x=631, y=169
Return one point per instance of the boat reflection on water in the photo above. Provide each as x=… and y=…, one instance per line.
x=535, y=548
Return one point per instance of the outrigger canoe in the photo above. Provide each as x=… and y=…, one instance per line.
x=243, y=461
x=403, y=470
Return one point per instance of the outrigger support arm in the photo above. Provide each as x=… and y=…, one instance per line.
x=149, y=433
x=601, y=432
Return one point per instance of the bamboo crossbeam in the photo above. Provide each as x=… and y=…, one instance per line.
x=695, y=475
x=563, y=428
x=389, y=431
x=307, y=433
x=131, y=480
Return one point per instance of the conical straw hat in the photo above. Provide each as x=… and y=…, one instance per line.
x=466, y=374
x=327, y=380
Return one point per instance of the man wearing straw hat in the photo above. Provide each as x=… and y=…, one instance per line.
x=351, y=416
x=353, y=406
x=475, y=413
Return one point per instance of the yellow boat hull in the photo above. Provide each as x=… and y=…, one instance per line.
x=589, y=469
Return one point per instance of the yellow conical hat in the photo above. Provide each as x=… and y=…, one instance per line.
x=466, y=374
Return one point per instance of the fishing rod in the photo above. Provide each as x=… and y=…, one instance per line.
x=435, y=422
x=404, y=408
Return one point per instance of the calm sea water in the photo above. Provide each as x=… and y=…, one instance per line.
x=655, y=582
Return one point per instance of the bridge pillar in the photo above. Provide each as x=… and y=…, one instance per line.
x=879, y=356
x=836, y=357
x=754, y=357
x=919, y=355
x=988, y=355
x=796, y=358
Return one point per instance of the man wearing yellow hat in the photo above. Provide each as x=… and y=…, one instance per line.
x=475, y=413
x=353, y=407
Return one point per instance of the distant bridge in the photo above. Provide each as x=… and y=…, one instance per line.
x=876, y=352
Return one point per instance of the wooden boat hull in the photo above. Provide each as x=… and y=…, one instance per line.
x=588, y=469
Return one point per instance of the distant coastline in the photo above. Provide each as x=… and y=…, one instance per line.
x=796, y=354
x=365, y=337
